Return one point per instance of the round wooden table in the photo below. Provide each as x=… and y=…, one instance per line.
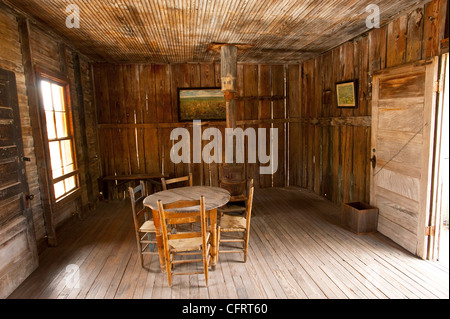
x=214, y=197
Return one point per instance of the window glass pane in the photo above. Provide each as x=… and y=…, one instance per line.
x=58, y=97
x=68, y=169
x=59, y=189
x=55, y=156
x=47, y=95
x=70, y=183
x=51, y=132
x=58, y=172
x=66, y=147
x=61, y=124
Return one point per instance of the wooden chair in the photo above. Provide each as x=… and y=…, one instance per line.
x=239, y=196
x=143, y=225
x=236, y=224
x=185, y=243
x=165, y=182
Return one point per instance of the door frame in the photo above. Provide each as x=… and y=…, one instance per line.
x=436, y=221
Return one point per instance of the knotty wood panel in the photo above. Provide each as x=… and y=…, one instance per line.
x=409, y=143
x=399, y=183
x=409, y=86
x=45, y=49
x=396, y=43
x=265, y=110
x=414, y=36
x=146, y=89
x=400, y=119
x=294, y=104
x=279, y=112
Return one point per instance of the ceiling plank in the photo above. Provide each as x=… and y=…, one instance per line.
x=178, y=31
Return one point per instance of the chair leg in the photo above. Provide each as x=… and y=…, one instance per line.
x=169, y=270
x=141, y=258
x=206, y=266
x=139, y=247
x=218, y=243
x=246, y=238
x=169, y=278
x=151, y=246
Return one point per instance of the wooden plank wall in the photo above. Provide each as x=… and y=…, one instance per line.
x=11, y=59
x=51, y=53
x=48, y=54
x=335, y=142
x=138, y=108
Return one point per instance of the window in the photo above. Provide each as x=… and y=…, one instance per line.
x=57, y=128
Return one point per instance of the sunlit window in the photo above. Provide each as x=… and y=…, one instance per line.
x=60, y=142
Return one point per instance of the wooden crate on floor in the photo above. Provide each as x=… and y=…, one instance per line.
x=359, y=217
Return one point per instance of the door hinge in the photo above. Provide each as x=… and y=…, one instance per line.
x=438, y=86
x=429, y=231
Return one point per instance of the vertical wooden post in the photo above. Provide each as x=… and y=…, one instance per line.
x=33, y=103
x=228, y=59
x=84, y=140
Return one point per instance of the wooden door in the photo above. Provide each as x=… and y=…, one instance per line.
x=18, y=252
x=403, y=116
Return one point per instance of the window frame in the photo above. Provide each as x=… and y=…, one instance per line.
x=63, y=81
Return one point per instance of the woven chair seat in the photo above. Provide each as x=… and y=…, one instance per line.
x=230, y=223
x=148, y=227
x=231, y=209
x=238, y=198
x=186, y=244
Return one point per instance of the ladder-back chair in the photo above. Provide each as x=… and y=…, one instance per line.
x=166, y=182
x=187, y=180
x=143, y=223
x=239, y=226
x=185, y=243
x=239, y=191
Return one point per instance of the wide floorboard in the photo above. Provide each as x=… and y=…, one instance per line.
x=297, y=250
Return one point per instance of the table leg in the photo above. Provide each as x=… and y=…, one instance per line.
x=214, y=247
x=159, y=239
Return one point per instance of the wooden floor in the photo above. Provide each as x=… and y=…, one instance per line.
x=296, y=251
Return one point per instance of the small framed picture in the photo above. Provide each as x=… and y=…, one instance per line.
x=347, y=94
x=201, y=104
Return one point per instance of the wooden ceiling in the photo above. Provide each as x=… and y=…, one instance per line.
x=171, y=31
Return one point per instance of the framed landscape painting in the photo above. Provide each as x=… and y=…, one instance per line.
x=206, y=104
x=347, y=94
